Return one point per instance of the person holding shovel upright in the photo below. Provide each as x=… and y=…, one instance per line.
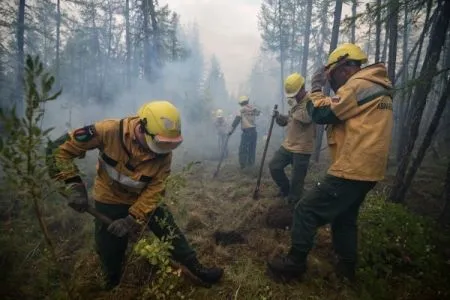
x=222, y=127
x=298, y=144
x=135, y=155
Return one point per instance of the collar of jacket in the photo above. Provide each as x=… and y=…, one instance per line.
x=377, y=73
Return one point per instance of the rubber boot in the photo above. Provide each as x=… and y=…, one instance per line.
x=286, y=268
x=207, y=275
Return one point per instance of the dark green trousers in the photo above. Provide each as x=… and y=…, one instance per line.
x=333, y=200
x=111, y=248
x=293, y=189
x=247, y=148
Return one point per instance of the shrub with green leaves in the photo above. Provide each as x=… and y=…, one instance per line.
x=397, y=246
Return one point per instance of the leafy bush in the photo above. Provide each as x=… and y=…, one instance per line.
x=397, y=246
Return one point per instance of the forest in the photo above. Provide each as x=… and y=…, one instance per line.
x=67, y=64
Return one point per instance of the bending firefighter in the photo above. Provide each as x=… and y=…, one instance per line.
x=298, y=144
x=247, y=147
x=360, y=120
x=222, y=131
x=135, y=155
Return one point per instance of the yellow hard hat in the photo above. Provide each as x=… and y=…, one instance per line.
x=162, y=125
x=219, y=113
x=243, y=99
x=293, y=84
x=347, y=51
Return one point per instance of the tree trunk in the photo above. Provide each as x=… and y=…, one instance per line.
x=128, y=42
x=445, y=214
x=306, y=38
x=147, y=51
x=393, y=28
x=282, y=49
x=403, y=137
x=369, y=47
x=354, y=4
x=157, y=44
x=58, y=33
x=19, y=101
x=402, y=104
x=429, y=67
x=378, y=32
x=333, y=45
x=426, y=142
x=386, y=39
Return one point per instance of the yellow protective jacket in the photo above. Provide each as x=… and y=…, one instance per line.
x=246, y=116
x=300, y=131
x=360, y=119
x=126, y=173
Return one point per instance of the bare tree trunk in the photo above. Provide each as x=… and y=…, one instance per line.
x=403, y=137
x=369, y=48
x=445, y=214
x=280, y=27
x=157, y=44
x=20, y=57
x=333, y=45
x=378, y=32
x=426, y=141
x=393, y=28
x=353, y=36
x=306, y=37
x=429, y=67
x=58, y=34
x=402, y=103
x=128, y=42
x=147, y=51
x=386, y=39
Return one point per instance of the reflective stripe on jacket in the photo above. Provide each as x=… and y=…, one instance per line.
x=126, y=173
x=361, y=122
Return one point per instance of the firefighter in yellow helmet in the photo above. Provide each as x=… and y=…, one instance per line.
x=298, y=144
x=246, y=117
x=135, y=155
x=359, y=120
x=221, y=126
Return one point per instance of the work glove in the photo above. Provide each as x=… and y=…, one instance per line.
x=275, y=113
x=318, y=80
x=121, y=227
x=78, y=198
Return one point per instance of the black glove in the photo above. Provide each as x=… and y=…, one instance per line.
x=275, y=113
x=78, y=198
x=121, y=227
x=318, y=80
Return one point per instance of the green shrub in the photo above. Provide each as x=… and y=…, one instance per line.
x=397, y=247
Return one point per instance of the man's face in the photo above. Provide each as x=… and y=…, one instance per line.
x=339, y=76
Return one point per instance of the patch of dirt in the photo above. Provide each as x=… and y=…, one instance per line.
x=280, y=216
x=226, y=238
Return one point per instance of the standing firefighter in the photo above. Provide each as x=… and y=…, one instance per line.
x=133, y=164
x=222, y=130
x=360, y=120
x=247, y=147
x=298, y=144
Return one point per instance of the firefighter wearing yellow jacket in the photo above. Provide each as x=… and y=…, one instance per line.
x=298, y=144
x=135, y=155
x=359, y=119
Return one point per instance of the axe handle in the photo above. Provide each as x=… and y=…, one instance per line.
x=269, y=134
x=101, y=217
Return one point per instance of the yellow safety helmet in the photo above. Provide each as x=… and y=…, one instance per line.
x=243, y=99
x=293, y=84
x=346, y=51
x=162, y=125
x=219, y=113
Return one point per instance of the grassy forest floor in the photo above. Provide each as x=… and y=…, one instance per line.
x=403, y=255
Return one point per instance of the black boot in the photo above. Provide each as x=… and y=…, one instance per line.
x=286, y=268
x=207, y=275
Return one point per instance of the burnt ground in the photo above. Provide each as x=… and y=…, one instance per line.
x=230, y=229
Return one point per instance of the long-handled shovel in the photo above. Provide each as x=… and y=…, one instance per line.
x=222, y=156
x=104, y=219
x=269, y=134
